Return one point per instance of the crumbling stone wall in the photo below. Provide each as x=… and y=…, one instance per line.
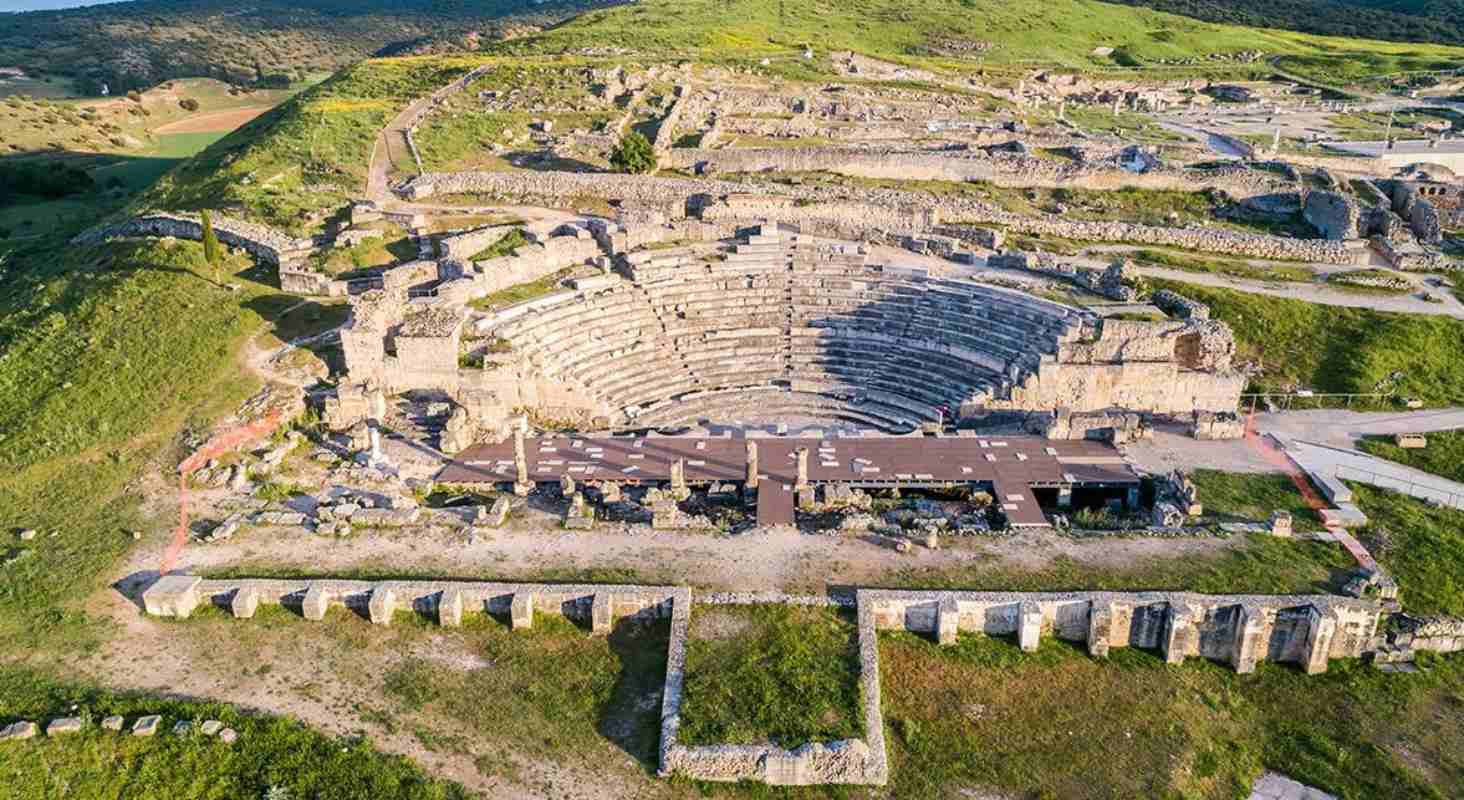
x=264, y=243
x=465, y=245
x=999, y=168
x=1333, y=214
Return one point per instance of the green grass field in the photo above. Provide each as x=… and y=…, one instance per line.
x=784, y=674
x=981, y=717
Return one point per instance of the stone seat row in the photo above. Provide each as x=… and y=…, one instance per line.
x=777, y=402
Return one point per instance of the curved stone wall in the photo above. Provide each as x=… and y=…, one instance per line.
x=262, y=242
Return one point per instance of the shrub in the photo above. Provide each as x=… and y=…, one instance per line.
x=188, y=104
x=634, y=154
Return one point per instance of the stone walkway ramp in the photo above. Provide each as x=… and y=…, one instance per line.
x=1331, y=467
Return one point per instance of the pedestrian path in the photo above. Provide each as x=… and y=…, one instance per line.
x=1275, y=786
x=1332, y=467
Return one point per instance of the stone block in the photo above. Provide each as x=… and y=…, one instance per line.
x=1029, y=625
x=228, y=735
x=172, y=596
x=521, y=613
x=146, y=726
x=602, y=616
x=450, y=608
x=947, y=621
x=65, y=725
x=210, y=727
x=113, y=723
x=315, y=603
x=19, y=730
x=1281, y=523
x=382, y=606
x=499, y=513
x=244, y=602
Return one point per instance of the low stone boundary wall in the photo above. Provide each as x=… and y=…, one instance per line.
x=180, y=595
x=260, y=241
x=1237, y=629
x=427, y=108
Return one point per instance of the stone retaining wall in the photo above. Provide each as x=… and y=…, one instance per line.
x=264, y=243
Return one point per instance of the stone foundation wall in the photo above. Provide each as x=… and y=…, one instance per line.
x=1240, y=630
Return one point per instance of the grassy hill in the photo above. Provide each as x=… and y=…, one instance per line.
x=135, y=45
x=1397, y=20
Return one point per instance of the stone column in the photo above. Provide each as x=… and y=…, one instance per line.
x=947, y=621
x=1250, y=638
x=1320, y=630
x=450, y=608
x=521, y=612
x=315, y=603
x=521, y=486
x=751, y=464
x=244, y=603
x=802, y=454
x=1180, y=633
x=566, y=485
x=382, y=606
x=1100, y=628
x=602, y=616
x=1029, y=625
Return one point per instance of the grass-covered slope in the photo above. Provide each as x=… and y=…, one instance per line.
x=106, y=356
x=1333, y=349
x=134, y=45
x=310, y=154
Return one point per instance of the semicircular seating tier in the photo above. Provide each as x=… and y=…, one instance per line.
x=783, y=324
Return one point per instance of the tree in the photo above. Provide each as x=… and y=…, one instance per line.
x=211, y=252
x=634, y=154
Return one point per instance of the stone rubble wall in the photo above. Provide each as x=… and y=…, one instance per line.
x=264, y=243
x=1001, y=169
x=463, y=246
x=434, y=102
x=861, y=213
